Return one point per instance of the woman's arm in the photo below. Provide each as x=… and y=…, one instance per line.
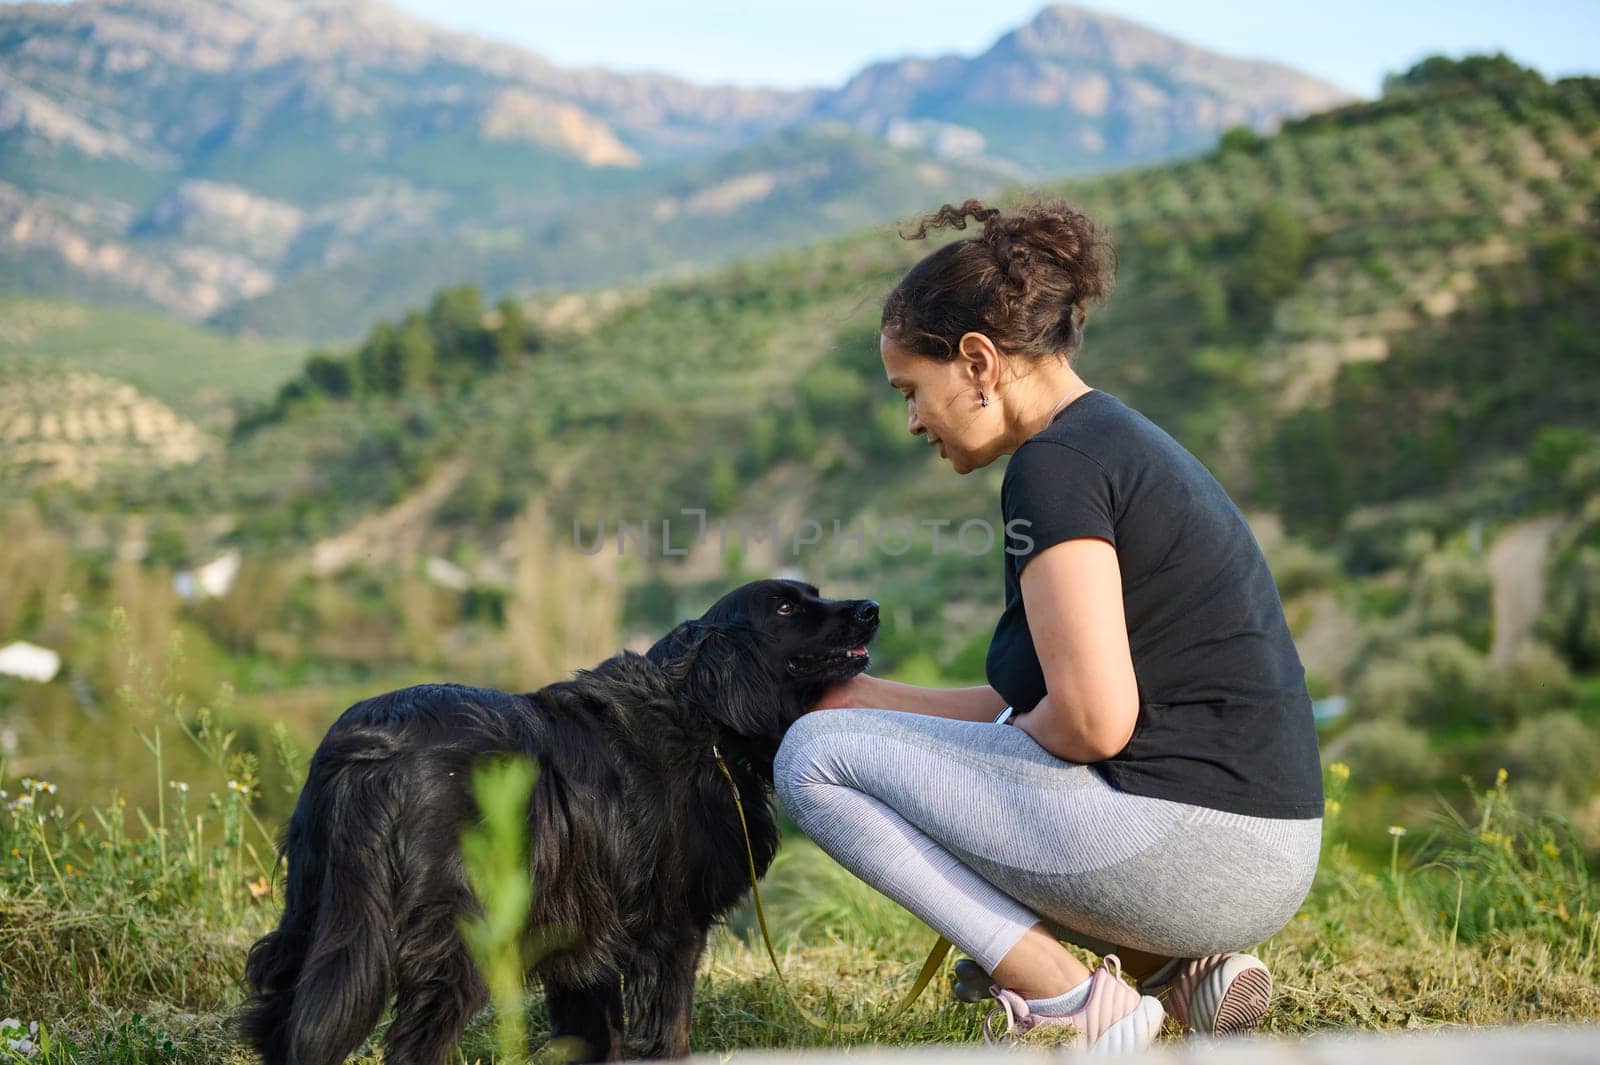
x=1073, y=595
x=977, y=703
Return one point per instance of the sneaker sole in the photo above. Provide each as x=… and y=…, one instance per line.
x=1244, y=1003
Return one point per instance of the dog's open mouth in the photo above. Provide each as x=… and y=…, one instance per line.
x=828, y=660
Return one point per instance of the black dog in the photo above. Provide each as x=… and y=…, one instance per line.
x=636, y=844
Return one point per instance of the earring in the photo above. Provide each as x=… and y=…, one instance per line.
x=983, y=400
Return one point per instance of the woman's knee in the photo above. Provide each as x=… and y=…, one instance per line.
x=806, y=756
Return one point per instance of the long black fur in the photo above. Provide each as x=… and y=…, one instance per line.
x=637, y=849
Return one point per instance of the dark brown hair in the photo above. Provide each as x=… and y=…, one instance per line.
x=1025, y=282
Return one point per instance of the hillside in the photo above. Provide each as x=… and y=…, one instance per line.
x=1351, y=269
x=201, y=156
x=1375, y=326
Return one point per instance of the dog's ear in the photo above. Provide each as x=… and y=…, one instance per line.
x=719, y=671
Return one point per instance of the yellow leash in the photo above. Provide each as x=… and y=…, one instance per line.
x=929, y=967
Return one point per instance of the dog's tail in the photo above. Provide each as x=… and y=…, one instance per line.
x=320, y=981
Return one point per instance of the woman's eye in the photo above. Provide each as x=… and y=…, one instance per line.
x=785, y=608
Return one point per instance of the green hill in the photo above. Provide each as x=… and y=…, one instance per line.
x=1376, y=327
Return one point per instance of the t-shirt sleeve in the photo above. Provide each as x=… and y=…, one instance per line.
x=1052, y=492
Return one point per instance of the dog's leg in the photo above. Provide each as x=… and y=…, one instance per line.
x=591, y=1013
x=438, y=989
x=660, y=994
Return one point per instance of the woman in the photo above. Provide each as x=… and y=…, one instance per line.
x=1156, y=796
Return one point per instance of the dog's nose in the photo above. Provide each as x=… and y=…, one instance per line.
x=867, y=610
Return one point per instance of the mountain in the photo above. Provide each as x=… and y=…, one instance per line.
x=200, y=156
x=1075, y=90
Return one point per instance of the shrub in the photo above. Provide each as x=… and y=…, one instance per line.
x=1571, y=618
x=1388, y=750
x=1556, y=749
x=1299, y=568
x=1536, y=679
x=1451, y=593
x=1436, y=681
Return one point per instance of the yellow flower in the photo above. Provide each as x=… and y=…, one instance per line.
x=1552, y=850
x=1340, y=770
x=1500, y=776
x=1332, y=806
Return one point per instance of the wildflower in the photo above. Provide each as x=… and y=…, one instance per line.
x=1340, y=770
x=179, y=786
x=1332, y=806
x=1551, y=849
x=1397, y=830
x=1500, y=777
x=16, y=1040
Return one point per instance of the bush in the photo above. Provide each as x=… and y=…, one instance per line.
x=1537, y=679
x=1571, y=618
x=1299, y=568
x=1388, y=751
x=1437, y=681
x=1451, y=593
x=1556, y=749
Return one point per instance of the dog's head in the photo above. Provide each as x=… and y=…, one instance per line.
x=764, y=653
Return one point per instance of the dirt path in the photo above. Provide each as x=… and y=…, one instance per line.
x=390, y=532
x=1516, y=565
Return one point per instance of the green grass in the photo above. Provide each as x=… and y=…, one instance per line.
x=123, y=931
x=196, y=371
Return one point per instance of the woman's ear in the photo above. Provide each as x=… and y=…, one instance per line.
x=980, y=361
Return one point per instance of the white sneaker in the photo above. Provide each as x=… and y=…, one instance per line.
x=1223, y=994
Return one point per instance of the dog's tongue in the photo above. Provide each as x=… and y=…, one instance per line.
x=857, y=652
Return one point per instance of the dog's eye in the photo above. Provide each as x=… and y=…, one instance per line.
x=785, y=608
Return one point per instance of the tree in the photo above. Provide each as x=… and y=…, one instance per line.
x=376, y=365
x=329, y=374
x=1469, y=72
x=455, y=318
x=511, y=333
x=1240, y=139
x=414, y=353
x=1275, y=251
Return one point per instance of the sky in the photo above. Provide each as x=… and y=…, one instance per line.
x=792, y=43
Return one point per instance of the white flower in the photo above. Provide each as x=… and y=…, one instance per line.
x=16, y=1041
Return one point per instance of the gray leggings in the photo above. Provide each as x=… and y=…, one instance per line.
x=981, y=832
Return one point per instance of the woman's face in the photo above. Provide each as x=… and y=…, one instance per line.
x=942, y=402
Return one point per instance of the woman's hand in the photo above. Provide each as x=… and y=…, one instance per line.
x=844, y=693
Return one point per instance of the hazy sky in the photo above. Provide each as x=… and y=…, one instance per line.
x=821, y=42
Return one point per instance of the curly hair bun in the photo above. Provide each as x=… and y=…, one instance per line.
x=1026, y=280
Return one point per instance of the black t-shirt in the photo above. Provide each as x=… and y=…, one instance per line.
x=1224, y=715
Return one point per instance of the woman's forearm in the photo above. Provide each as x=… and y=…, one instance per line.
x=977, y=703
